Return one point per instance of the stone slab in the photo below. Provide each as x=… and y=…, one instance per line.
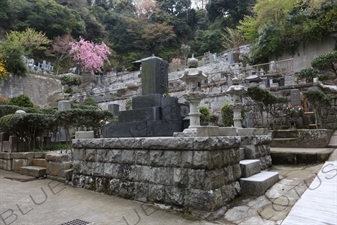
x=227, y=131
x=56, y=157
x=252, y=131
x=258, y=184
x=84, y=134
x=34, y=171
x=250, y=167
x=207, y=131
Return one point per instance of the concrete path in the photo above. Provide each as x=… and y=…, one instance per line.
x=318, y=204
x=47, y=202
x=273, y=207
x=24, y=201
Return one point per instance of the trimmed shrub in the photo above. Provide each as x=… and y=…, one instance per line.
x=21, y=101
x=205, y=114
x=227, y=115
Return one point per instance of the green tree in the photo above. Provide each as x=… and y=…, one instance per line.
x=30, y=40
x=326, y=62
x=51, y=18
x=229, y=12
x=27, y=126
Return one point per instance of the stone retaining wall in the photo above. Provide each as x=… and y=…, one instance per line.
x=196, y=174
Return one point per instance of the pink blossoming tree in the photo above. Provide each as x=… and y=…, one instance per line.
x=88, y=55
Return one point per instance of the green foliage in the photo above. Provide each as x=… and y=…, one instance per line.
x=214, y=119
x=90, y=101
x=53, y=147
x=317, y=97
x=83, y=117
x=319, y=100
x=70, y=79
x=227, y=115
x=308, y=74
x=69, y=91
x=205, y=114
x=208, y=40
x=21, y=101
x=12, y=52
x=264, y=96
x=326, y=62
x=27, y=126
x=279, y=27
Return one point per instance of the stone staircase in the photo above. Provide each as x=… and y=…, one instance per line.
x=255, y=182
x=38, y=169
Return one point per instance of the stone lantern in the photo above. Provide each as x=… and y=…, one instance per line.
x=194, y=94
x=237, y=91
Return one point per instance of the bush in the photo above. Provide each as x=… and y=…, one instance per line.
x=21, y=101
x=128, y=104
x=326, y=62
x=70, y=79
x=69, y=91
x=3, y=100
x=214, y=119
x=90, y=101
x=227, y=115
x=205, y=114
x=308, y=74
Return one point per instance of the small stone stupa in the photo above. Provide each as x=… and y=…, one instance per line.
x=237, y=91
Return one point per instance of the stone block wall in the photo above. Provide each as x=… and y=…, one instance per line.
x=197, y=174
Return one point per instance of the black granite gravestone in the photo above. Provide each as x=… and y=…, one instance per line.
x=152, y=115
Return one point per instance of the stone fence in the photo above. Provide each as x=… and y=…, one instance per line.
x=197, y=174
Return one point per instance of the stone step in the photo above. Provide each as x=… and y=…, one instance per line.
x=285, y=134
x=283, y=142
x=257, y=184
x=34, y=171
x=40, y=162
x=250, y=167
x=293, y=156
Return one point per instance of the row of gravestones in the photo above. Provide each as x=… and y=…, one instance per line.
x=44, y=67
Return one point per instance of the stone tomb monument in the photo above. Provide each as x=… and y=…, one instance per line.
x=152, y=114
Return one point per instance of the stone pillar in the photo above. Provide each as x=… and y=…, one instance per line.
x=194, y=114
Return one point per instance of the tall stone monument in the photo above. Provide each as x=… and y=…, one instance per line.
x=152, y=114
